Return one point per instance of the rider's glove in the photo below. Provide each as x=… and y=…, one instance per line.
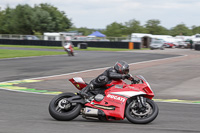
x=126, y=76
x=135, y=81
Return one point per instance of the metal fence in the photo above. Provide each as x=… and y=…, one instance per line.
x=73, y=38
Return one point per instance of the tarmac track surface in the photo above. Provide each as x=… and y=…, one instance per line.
x=23, y=68
x=28, y=113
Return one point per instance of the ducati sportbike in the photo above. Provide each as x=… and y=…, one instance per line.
x=68, y=47
x=119, y=101
x=70, y=51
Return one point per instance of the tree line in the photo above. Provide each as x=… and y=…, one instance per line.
x=24, y=19
x=151, y=27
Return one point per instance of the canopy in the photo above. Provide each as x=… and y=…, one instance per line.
x=97, y=34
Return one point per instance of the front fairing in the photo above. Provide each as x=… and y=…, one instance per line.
x=145, y=86
x=130, y=90
x=117, y=95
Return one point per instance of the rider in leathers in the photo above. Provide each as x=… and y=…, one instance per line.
x=120, y=71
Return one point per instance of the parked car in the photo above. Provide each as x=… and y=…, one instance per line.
x=30, y=37
x=157, y=44
x=183, y=44
x=169, y=45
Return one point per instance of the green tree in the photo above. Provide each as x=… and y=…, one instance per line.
x=85, y=31
x=153, y=27
x=6, y=20
x=133, y=26
x=22, y=20
x=59, y=21
x=114, y=30
x=27, y=20
x=42, y=21
x=181, y=29
x=196, y=29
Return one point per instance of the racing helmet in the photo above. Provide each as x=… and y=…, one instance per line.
x=121, y=67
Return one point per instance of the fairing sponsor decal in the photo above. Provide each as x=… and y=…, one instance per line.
x=118, y=98
x=128, y=93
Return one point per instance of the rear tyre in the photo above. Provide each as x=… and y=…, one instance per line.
x=137, y=115
x=62, y=110
x=69, y=53
x=72, y=53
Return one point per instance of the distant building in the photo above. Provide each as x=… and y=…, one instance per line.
x=57, y=36
x=143, y=38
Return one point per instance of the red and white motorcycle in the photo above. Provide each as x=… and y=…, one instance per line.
x=68, y=47
x=119, y=101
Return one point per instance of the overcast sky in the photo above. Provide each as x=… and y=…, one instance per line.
x=100, y=13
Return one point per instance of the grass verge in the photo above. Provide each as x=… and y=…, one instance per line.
x=5, y=53
x=30, y=46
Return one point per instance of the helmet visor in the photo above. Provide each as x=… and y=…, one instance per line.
x=126, y=71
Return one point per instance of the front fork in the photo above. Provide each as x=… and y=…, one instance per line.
x=141, y=101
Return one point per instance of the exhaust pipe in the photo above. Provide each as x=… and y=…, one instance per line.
x=92, y=113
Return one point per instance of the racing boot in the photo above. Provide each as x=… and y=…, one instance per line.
x=84, y=91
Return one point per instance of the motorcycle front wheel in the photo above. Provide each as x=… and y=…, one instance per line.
x=62, y=110
x=143, y=115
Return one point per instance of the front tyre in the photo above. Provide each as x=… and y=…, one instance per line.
x=143, y=115
x=62, y=110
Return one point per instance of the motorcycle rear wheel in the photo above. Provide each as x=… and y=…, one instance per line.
x=72, y=54
x=71, y=110
x=134, y=115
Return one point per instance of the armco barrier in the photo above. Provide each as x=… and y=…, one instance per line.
x=100, y=44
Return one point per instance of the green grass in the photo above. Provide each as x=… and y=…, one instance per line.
x=75, y=48
x=5, y=53
x=28, y=46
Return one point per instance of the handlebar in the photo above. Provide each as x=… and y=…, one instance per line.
x=133, y=81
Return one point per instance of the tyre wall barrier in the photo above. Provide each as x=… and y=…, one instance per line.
x=82, y=45
x=197, y=46
x=100, y=44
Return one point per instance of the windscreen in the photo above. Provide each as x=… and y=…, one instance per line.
x=141, y=77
